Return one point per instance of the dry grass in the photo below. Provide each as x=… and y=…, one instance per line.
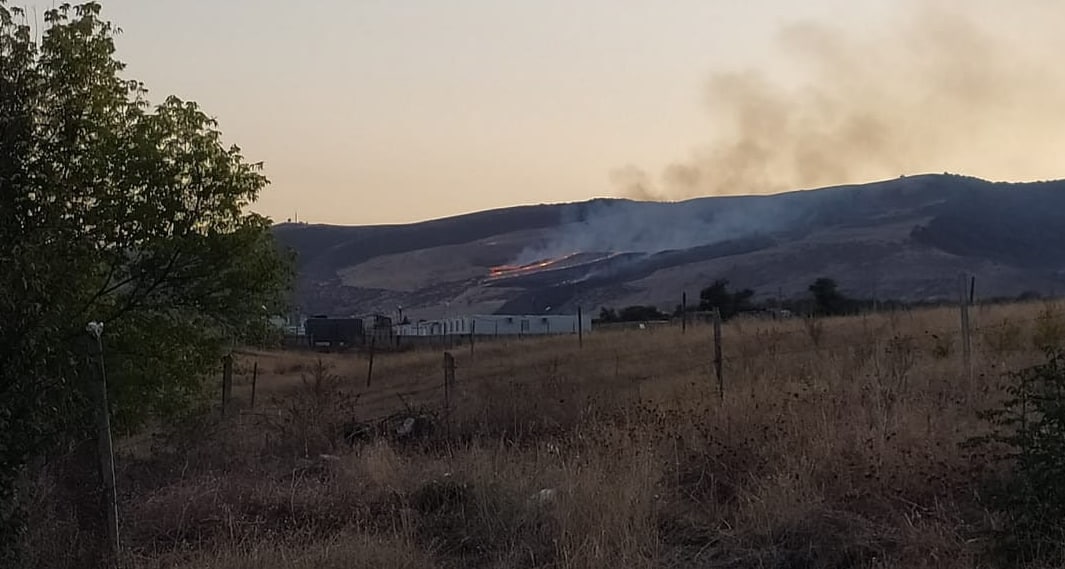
x=835, y=445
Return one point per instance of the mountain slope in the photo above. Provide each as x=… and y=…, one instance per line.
x=905, y=238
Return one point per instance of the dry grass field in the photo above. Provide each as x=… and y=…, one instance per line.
x=835, y=444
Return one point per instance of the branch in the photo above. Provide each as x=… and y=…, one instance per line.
x=133, y=300
x=104, y=289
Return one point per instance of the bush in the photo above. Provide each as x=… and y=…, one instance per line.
x=718, y=297
x=1028, y=434
x=1049, y=331
x=1005, y=338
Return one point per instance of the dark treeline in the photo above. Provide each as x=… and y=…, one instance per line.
x=823, y=298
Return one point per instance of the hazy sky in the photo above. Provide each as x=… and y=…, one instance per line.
x=374, y=111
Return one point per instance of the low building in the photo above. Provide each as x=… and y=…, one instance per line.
x=498, y=325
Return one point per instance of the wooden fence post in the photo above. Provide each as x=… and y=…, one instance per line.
x=966, y=338
x=227, y=381
x=718, y=360
x=105, y=448
x=449, y=380
x=683, y=313
x=473, y=330
x=369, y=369
x=254, y=382
x=580, y=328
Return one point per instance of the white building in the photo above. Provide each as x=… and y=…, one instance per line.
x=291, y=325
x=498, y=325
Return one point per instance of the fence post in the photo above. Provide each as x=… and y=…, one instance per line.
x=254, y=382
x=718, y=360
x=473, y=330
x=449, y=380
x=369, y=370
x=227, y=381
x=683, y=313
x=580, y=328
x=105, y=449
x=966, y=338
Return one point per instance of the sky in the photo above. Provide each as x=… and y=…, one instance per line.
x=391, y=111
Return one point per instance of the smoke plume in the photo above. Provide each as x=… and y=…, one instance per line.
x=628, y=227
x=966, y=87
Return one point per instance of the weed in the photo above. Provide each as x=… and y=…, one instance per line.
x=1049, y=331
x=1028, y=434
x=815, y=329
x=942, y=346
x=1005, y=338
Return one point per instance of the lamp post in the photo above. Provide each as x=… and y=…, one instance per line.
x=105, y=449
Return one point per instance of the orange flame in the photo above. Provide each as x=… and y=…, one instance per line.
x=515, y=270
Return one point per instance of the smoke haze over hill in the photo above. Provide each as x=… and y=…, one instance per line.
x=632, y=227
x=970, y=87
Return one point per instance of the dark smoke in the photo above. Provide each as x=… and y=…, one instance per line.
x=963, y=87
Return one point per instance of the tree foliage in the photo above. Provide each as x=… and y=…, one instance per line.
x=718, y=296
x=1028, y=435
x=636, y=313
x=117, y=211
x=828, y=300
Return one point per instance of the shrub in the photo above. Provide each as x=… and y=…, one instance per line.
x=1028, y=434
x=815, y=328
x=1004, y=338
x=1049, y=331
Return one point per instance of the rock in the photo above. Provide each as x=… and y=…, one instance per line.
x=407, y=427
x=544, y=496
x=355, y=432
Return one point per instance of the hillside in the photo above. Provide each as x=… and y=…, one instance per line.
x=905, y=238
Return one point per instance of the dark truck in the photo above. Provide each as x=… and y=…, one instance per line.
x=334, y=334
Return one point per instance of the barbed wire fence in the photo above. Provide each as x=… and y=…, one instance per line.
x=696, y=351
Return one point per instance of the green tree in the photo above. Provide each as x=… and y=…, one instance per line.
x=717, y=296
x=1028, y=435
x=827, y=298
x=639, y=313
x=608, y=315
x=115, y=211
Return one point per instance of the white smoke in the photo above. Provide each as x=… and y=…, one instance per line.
x=622, y=226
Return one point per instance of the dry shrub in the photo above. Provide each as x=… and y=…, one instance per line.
x=1004, y=338
x=834, y=451
x=815, y=329
x=942, y=345
x=479, y=514
x=347, y=550
x=594, y=510
x=605, y=510
x=552, y=404
x=312, y=420
x=291, y=366
x=58, y=534
x=1049, y=330
x=296, y=507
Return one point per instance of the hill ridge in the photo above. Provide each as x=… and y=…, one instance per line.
x=904, y=238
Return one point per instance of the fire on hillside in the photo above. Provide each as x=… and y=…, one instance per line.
x=504, y=271
x=569, y=267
